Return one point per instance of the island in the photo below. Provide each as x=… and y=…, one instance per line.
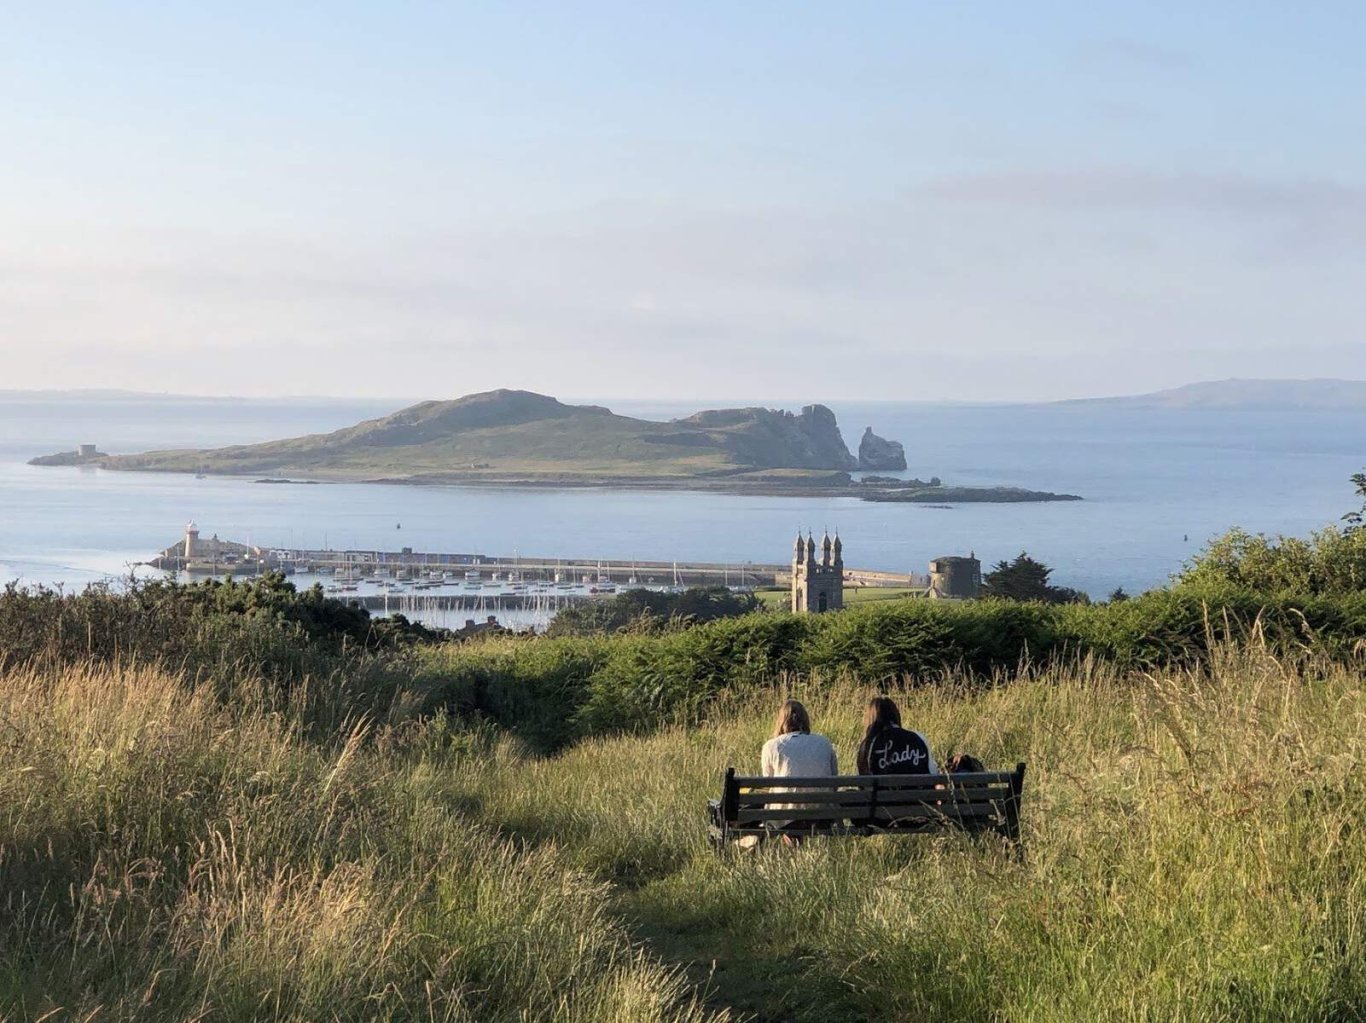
x=520, y=438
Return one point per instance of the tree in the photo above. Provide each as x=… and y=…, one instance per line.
x=1356, y=519
x=1118, y=595
x=1027, y=579
x=1328, y=562
x=641, y=610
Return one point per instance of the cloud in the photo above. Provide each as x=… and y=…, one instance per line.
x=1010, y=273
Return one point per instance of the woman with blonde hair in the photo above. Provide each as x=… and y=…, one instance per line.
x=795, y=752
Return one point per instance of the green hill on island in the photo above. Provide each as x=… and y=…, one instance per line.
x=508, y=435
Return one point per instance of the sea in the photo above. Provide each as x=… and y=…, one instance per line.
x=1157, y=483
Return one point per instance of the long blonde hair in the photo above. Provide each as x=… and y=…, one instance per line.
x=792, y=717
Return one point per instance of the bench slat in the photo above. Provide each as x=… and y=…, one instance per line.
x=849, y=805
x=933, y=781
x=904, y=825
x=881, y=780
x=948, y=809
x=963, y=793
x=753, y=799
x=960, y=794
x=797, y=814
x=947, y=813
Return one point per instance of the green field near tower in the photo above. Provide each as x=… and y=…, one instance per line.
x=778, y=598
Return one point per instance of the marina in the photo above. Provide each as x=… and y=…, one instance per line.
x=446, y=588
x=408, y=572
x=418, y=570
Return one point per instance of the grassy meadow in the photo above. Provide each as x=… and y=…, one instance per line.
x=217, y=847
x=779, y=598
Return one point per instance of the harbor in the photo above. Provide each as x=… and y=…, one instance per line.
x=212, y=556
x=410, y=581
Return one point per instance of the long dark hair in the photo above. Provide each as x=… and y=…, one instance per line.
x=879, y=713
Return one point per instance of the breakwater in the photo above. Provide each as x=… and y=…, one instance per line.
x=212, y=556
x=417, y=604
x=454, y=575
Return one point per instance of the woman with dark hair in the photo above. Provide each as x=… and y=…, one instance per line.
x=887, y=748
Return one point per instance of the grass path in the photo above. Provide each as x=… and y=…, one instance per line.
x=732, y=977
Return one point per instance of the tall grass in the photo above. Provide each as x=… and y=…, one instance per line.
x=167, y=855
x=197, y=839
x=1193, y=836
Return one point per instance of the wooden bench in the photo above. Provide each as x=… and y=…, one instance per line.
x=987, y=801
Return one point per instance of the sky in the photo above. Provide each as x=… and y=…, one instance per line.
x=806, y=201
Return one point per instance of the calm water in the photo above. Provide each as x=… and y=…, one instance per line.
x=1150, y=477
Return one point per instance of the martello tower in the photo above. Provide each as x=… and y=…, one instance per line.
x=817, y=585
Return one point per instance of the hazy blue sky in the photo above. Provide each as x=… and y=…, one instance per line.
x=798, y=201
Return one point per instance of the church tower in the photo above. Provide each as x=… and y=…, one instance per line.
x=817, y=586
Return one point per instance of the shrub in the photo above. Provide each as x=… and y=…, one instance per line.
x=1330, y=562
x=557, y=690
x=648, y=611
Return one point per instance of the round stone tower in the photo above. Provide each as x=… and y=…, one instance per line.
x=954, y=578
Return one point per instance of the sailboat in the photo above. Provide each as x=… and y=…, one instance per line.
x=605, y=584
x=676, y=586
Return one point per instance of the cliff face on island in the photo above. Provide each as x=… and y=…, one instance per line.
x=510, y=435
x=775, y=439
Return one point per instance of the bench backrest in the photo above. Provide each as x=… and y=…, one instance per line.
x=986, y=799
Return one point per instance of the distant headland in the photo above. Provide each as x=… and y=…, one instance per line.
x=1324, y=394
x=519, y=438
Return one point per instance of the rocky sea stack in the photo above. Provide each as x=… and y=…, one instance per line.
x=876, y=452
